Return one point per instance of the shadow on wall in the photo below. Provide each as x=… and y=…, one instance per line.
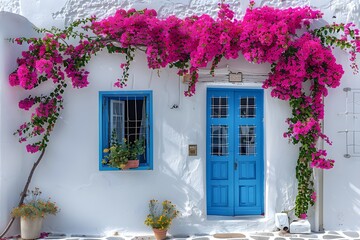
x=176, y=128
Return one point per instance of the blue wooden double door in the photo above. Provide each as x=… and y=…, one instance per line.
x=235, y=152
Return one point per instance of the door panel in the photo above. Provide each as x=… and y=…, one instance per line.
x=220, y=173
x=234, y=151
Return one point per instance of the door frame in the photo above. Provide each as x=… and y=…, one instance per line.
x=208, y=142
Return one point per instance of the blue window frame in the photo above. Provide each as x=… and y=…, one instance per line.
x=130, y=113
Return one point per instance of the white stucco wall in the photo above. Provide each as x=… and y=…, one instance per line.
x=13, y=160
x=342, y=183
x=97, y=202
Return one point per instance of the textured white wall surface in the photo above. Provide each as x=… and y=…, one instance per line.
x=97, y=202
x=50, y=12
x=342, y=184
x=13, y=161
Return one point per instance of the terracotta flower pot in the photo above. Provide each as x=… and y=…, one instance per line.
x=30, y=227
x=131, y=164
x=160, y=234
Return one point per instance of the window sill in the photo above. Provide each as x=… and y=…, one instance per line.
x=140, y=168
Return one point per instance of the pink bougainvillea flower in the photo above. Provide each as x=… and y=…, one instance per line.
x=46, y=109
x=44, y=66
x=32, y=148
x=13, y=79
x=26, y=103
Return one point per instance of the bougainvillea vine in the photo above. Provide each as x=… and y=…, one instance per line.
x=303, y=65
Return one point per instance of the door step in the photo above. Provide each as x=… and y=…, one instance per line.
x=229, y=235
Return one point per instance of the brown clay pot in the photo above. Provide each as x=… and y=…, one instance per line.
x=160, y=234
x=131, y=164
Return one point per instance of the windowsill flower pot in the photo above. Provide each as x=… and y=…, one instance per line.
x=160, y=217
x=32, y=214
x=123, y=155
x=131, y=164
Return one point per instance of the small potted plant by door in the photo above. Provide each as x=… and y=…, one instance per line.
x=160, y=217
x=123, y=155
x=32, y=213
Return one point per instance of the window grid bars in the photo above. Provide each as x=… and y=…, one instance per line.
x=247, y=107
x=219, y=140
x=247, y=140
x=220, y=107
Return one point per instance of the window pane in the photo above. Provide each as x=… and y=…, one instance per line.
x=219, y=107
x=247, y=107
x=247, y=139
x=117, y=119
x=219, y=140
x=134, y=118
x=128, y=118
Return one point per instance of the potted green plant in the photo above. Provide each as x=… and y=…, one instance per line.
x=32, y=213
x=123, y=155
x=160, y=217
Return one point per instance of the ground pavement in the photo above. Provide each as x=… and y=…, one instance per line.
x=331, y=235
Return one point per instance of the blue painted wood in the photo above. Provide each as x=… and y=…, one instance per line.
x=249, y=190
x=104, y=133
x=220, y=172
x=235, y=181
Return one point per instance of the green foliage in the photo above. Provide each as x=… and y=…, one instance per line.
x=119, y=154
x=304, y=173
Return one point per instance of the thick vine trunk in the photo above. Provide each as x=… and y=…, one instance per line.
x=23, y=193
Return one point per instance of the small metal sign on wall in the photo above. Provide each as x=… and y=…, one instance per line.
x=192, y=149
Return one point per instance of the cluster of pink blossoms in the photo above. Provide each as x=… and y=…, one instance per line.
x=26, y=103
x=311, y=61
x=46, y=109
x=31, y=148
x=319, y=160
x=267, y=32
x=44, y=60
x=262, y=36
x=352, y=35
x=44, y=66
x=300, y=128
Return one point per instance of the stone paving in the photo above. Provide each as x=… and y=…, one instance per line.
x=332, y=235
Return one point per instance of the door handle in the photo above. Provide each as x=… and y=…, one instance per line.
x=235, y=165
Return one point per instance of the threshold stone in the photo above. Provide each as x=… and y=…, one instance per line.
x=229, y=235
